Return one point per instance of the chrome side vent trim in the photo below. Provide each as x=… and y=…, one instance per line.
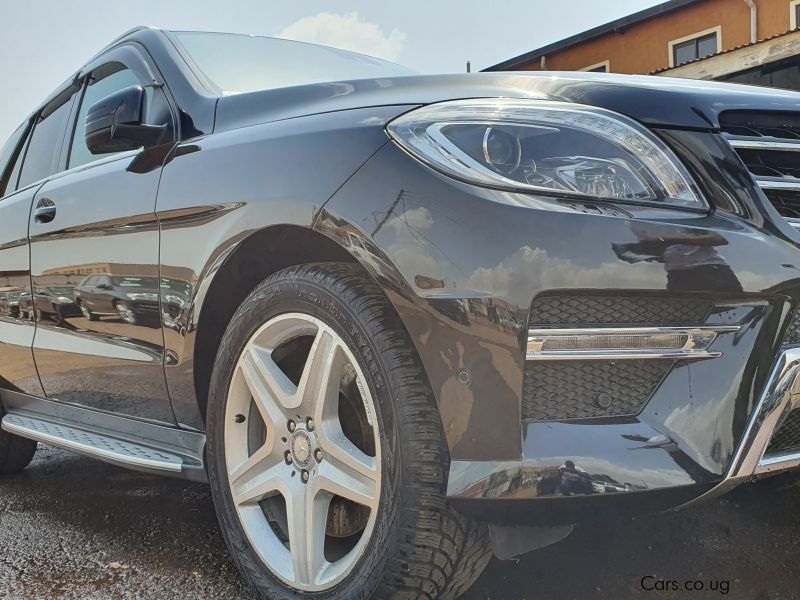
x=623, y=343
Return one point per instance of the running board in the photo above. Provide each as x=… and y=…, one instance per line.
x=100, y=444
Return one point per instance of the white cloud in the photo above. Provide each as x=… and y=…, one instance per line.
x=528, y=269
x=349, y=32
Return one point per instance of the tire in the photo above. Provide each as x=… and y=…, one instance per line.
x=16, y=452
x=87, y=314
x=126, y=313
x=419, y=547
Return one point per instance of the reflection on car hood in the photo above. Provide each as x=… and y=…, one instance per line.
x=657, y=101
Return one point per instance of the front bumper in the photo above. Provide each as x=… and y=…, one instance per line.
x=527, y=479
x=466, y=269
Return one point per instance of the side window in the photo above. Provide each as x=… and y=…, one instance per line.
x=95, y=91
x=10, y=161
x=42, y=147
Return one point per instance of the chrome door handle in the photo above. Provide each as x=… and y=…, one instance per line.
x=45, y=211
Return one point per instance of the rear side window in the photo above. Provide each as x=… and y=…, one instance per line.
x=44, y=142
x=10, y=161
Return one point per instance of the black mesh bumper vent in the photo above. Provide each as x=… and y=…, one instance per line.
x=559, y=390
x=788, y=435
x=617, y=310
x=792, y=335
x=581, y=390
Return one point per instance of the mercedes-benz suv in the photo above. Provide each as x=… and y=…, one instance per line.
x=401, y=323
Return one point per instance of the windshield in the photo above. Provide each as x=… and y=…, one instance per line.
x=61, y=291
x=137, y=282
x=245, y=63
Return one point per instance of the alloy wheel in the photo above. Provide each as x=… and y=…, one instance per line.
x=126, y=313
x=302, y=452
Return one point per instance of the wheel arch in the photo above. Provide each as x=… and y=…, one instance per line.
x=255, y=258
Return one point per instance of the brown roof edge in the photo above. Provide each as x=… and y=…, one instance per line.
x=617, y=26
x=734, y=49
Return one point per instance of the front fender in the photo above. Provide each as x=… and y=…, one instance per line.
x=217, y=191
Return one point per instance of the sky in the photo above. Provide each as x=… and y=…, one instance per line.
x=42, y=42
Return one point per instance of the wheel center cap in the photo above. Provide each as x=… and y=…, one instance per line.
x=301, y=448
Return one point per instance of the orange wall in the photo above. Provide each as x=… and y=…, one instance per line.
x=644, y=47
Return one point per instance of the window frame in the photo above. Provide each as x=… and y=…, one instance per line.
x=794, y=9
x=16, y=157
x=132, y=57
x=66, y=94
x=606, y=64
x=717, y=31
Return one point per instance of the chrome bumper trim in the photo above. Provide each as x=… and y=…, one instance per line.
x=623, y=343
x=781, y=396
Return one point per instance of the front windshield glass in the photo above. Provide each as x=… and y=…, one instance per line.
x=61, y=291
x=137, y=282
x=245, y=63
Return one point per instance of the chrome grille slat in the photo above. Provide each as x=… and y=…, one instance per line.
x=793, y=222
x=750, y=143
x=768, y=144
x=777, y=184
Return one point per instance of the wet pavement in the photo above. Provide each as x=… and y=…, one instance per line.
x=74, y=528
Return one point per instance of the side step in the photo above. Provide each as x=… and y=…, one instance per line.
x=103, y=445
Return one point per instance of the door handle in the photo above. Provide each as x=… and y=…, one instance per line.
x=45, y=211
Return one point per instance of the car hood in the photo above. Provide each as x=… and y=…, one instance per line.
x=655, y=101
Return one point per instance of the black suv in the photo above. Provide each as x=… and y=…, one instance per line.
x=401, y=322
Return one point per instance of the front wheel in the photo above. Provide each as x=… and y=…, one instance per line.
x=87, y=314
x=327, y=458
x=126, y=313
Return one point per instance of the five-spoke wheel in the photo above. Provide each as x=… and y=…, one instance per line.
x=290, y=461
x=326, y=453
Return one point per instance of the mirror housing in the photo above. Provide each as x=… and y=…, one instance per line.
x=116, y=123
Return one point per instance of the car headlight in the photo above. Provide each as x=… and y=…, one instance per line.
x=546, y=147
x=64, y=300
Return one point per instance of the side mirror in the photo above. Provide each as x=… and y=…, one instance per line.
x=116, y=123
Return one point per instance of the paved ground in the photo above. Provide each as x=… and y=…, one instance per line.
x=67, y=518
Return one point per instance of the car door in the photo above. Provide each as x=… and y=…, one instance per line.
x=97, y=216
x=17, y=367
x=83, y=292
x=97, y=294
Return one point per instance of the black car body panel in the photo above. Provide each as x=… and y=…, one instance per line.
x=258, y=181
x=669, y=103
